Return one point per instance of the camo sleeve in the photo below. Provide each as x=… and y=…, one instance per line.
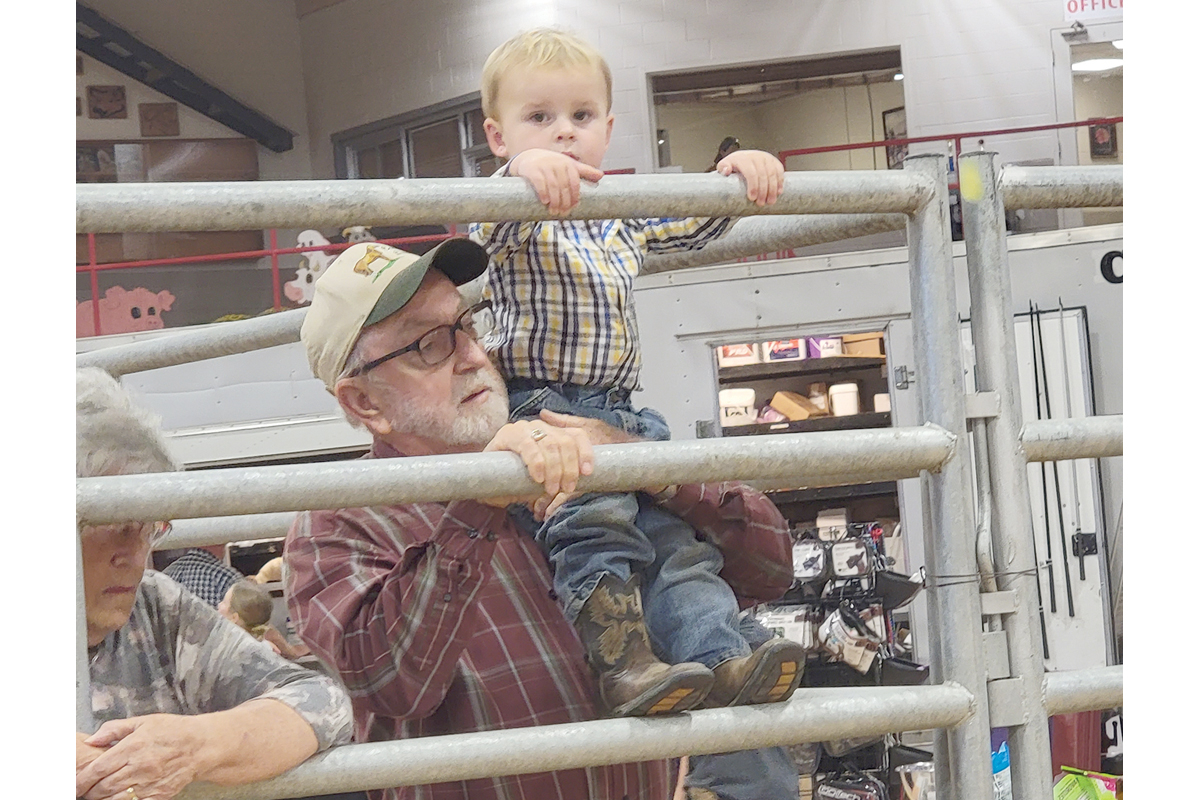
x=178, y=655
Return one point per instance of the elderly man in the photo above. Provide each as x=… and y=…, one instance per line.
x=440, y=617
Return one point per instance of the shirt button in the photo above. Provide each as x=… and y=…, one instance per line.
x=491, y=537
x=447, y=597
x=472, y=533
x=553, y=595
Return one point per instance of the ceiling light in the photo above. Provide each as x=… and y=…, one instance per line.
x=899, y=76
x=1119, y=44
x=1097, y=65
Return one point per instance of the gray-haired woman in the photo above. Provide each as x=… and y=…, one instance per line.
x=182, y=693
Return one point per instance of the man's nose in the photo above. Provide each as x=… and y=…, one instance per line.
x=470, y=353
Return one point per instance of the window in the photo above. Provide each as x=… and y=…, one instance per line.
x=446, y=140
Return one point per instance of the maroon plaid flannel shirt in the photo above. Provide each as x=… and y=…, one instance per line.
x=440, y=619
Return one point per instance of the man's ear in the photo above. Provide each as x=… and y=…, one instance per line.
x=495, y=138
x=355, y=398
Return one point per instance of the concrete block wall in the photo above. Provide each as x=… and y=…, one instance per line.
x=249, y=50
x=969, y=64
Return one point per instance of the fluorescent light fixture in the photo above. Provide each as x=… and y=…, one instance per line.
x=899, y=76
x=1097, y=65
x=1119, y=44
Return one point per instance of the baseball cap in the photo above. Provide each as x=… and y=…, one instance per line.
x=368, y=283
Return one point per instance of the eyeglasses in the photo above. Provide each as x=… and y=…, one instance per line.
x=149, y=532
x=437, y=345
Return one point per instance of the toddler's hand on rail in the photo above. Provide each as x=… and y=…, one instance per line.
x=554, y=177
x=762, y=172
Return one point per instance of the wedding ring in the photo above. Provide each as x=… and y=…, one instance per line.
x=132, y=794
x=538, y=434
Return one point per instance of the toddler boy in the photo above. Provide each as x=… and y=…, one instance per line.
x=566, y=341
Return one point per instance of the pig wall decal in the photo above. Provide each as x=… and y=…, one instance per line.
x=123, y=311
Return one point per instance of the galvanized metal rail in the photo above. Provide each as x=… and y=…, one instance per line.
x=148, y=207
x=811, y=715
x=820, y=458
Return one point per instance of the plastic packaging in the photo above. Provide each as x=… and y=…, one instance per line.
x=843, y=399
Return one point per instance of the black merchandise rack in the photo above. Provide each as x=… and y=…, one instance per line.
x=856, y=585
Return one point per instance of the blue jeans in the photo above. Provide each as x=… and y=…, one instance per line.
x=526, y=397
x=691, y=613
x=765, y=774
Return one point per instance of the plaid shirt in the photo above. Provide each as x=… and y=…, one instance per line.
x=440, y=619
x=562, y=293
x=205, y=575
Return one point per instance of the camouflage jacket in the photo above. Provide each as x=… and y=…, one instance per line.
x=177, y=655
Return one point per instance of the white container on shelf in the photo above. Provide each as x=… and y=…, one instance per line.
x=737, y=407
x=843, y=399
x=882, y=403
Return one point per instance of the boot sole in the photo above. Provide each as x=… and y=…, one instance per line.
x=681, y=692
x=775, y=677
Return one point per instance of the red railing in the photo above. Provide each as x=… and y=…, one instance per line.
x=273, y=252
x=957, y=138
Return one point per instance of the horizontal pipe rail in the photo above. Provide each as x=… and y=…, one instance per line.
x=1080, y=437
x=205, y=531
x=1061, y=187
x=1047, y=440
x=753, y=236
x=811, y=715
x=246, y=205
x=226, y=339
x=856, y=456
x=1092, y=689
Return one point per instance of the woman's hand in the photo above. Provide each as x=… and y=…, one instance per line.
x=155, y=755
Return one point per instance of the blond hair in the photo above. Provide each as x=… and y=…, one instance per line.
x=539, y=48
x=253, y=605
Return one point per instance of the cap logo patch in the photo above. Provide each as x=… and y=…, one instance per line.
x=363, y=266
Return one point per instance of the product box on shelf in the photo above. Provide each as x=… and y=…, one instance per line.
x=737, y=407
x=862, y=344
x=796, y=406
x=784, y=350
x=736, y=355
x=824, y=346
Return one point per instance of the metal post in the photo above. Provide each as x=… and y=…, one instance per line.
x=962, y=755
x=84, y=721
x=996, y=371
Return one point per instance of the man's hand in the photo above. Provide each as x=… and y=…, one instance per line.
x=555, y=455
x=597, y=432
x=762, y=172
x=554, y=176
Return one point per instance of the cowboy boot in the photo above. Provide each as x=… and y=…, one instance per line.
x=768, y=675
x=633, y=683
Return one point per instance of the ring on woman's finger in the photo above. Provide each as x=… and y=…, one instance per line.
x=538, y=434
x=132, y=794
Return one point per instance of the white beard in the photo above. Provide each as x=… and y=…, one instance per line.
x=472, y=429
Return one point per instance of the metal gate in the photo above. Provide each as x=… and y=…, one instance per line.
x=978, y=682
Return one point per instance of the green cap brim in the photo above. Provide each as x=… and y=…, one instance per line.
x=459, y=259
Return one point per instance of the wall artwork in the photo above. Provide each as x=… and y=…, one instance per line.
x=95, y=163
x=1102, y=140
x=159, y=119
x=106, y=102
x=895, y=127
